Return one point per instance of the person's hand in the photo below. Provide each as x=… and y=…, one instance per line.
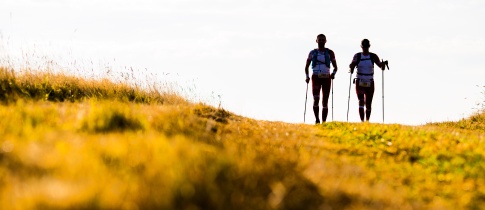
x=332, y=76
x=307, y=79
x=351, y=71
x=383, y=63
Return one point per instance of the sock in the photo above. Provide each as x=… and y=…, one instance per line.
x=367, y=114
x=324, y=114
x=315, y=111
x=361, y=113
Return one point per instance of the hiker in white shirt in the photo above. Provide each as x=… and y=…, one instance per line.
x=321, y=58
x=364, y=82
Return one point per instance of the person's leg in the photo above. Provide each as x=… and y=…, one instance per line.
x=368, y=100
x=327, y=84
x=361, y=96
x=316, y=86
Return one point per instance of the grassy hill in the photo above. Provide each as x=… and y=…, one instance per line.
x=72, y=143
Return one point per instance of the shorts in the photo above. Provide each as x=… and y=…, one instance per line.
x=323, y=84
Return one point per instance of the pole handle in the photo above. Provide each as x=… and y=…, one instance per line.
x=386, y=63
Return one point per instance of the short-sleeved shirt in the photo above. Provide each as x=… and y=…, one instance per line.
x=320, y=67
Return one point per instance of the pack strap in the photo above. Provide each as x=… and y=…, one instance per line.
x=362, y=74
x=315, y=60
x=318, y=61
x=371, y=58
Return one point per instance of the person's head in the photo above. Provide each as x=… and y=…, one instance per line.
x=321, y=39
x=365, y=44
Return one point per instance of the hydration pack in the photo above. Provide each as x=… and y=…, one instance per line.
x=315, y=60
x=371, y=58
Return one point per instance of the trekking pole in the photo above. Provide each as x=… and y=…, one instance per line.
x=332, y=100
x=387, y=64
x=348, y=101
x=306, y=96
x=382, y=96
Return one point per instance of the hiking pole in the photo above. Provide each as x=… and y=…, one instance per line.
x=348, y=101
x=332, y=100
x=387, y=64
x=383, y=96
x=306, y=97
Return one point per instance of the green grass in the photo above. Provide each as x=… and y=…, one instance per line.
x=71, y=143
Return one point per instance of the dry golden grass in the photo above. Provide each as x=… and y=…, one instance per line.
x=112, y=146
x=46, y=86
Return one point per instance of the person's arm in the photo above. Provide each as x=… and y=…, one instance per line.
x=353, y=64
x=308, y=61
x=334, y=63
x=378, y=62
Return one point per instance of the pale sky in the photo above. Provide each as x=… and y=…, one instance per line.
x=249, y=55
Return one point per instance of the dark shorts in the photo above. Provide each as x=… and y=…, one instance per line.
x=364, y=94
x=321, y=84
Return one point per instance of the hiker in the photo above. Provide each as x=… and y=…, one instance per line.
x=364, y=82
x=320, y=59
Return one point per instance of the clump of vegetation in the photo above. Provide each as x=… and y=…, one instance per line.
x=46, y=86
x=112, y=146
x=112, y=118
x=474, y=122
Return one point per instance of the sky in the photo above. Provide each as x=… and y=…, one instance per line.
x=248, y=56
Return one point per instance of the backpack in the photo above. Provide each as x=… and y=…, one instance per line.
x=372, y=55
x=315, y=55
x=371, y=58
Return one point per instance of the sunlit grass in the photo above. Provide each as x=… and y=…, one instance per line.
x=71, y=143
x=474, y=122
x=46, y=86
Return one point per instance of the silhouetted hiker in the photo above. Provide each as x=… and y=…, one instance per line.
x=364, y=82
x=320, y=59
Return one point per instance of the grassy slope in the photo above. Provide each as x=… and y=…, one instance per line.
x=71, y=143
